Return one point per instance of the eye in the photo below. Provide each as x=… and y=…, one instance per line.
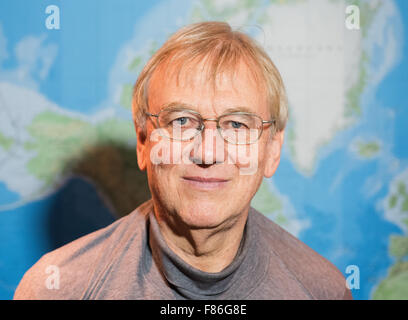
x=181, y=121
x=236, y=125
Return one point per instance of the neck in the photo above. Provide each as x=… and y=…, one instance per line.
x=207, y=249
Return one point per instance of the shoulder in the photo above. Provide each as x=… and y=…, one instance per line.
x=67, y=272
x=318, y=276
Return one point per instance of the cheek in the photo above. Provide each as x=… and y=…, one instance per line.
x=163, y=182
x=246, y=187
x=163, y=151
x=159, y=162
x=245, y=157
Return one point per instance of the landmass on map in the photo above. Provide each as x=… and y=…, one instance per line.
x=366, y=149
x=62, y=145
x=395, y=285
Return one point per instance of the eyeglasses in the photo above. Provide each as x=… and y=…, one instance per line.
x=236, y=128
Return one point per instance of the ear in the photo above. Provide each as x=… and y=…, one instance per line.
x=141, y=148
x=274, y=147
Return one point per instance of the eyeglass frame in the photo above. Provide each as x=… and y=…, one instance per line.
x=217, y=120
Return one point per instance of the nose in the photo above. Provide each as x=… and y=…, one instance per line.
x=209, y=147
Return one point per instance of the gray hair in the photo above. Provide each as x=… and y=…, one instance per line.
x=223, y=49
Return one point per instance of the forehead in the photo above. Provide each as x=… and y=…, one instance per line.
x=209, y=93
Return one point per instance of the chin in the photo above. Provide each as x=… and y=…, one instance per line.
x=203, y=216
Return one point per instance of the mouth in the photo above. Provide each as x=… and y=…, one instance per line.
x=205, y=183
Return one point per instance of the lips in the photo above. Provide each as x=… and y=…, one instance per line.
x=202, y=179
x=204, y=182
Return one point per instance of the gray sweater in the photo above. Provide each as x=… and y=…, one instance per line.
x=129, y=259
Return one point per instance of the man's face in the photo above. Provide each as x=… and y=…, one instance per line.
x=210, y=189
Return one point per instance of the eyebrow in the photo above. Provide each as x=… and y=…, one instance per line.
x=239, y=109
x=177, y=105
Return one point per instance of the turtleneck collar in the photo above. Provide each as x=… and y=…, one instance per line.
x=192, y=283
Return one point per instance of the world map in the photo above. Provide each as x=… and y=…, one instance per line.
x=67, y=141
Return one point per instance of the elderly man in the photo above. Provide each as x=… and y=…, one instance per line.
x=210, y=111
